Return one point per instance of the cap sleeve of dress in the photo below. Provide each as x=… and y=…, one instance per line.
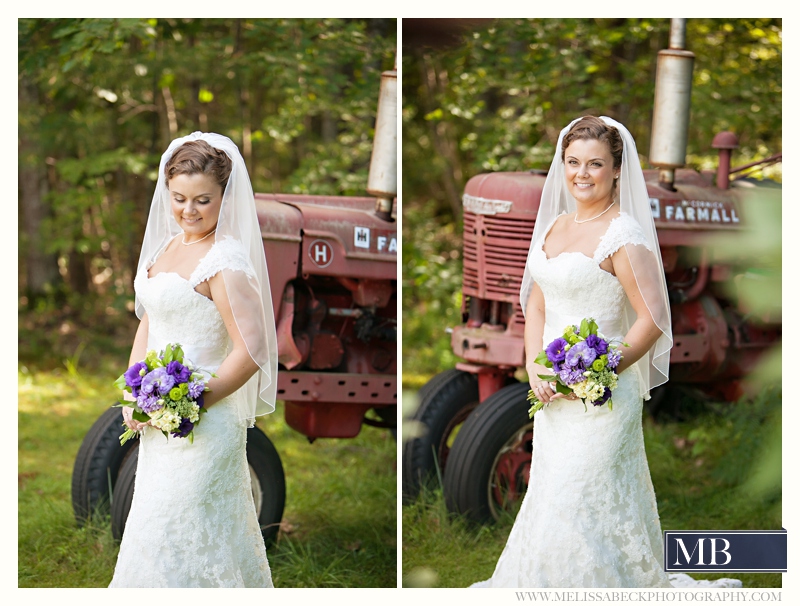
x=621, y=231
x=225, y=254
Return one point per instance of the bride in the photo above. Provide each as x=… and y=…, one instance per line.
x=590, y=518
x=202, y=282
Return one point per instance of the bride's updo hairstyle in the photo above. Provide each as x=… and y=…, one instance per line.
x=195, y=157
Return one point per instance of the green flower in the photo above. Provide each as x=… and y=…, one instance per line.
x=152, y=360
x=598, y=365
x=184, y=388
x=175, y=394
x=570, y=336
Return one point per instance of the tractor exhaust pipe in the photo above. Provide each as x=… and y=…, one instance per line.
x=672, y=104
x=382, y=180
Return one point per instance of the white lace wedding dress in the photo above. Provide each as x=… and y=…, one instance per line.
x=589, y=518
x=193, y=522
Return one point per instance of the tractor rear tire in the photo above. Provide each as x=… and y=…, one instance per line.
x=489, y=465
x=445, y=402
x=94, y=473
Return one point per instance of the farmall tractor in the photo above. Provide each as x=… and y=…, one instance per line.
x=333, y=276
x=476, y=432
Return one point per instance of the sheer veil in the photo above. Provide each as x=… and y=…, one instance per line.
x=249, y=295
x=645, y=261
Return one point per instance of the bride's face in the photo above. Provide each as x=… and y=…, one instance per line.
x=196, y=200
x=589, y=171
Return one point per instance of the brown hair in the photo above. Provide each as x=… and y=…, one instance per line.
x=590, y=127
x=195, y=157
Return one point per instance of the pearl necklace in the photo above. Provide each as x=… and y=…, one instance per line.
x=185, y=243
x=575, y=218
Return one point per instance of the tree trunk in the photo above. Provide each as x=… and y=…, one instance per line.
x=41, y=268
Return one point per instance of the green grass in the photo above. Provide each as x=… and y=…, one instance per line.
x=708, y=473
x=340, y=521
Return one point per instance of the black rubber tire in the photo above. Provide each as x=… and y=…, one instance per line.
x=265, y=465
x=469, y=469
x=123, y=495
x=447, y=397
x=97, y=465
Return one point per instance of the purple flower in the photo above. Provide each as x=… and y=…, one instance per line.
x=598, y=344
x=159, y=380
x=571, y=376
x=184, y=428
x=556, y=351
x=613, y=358
x=580, y=356
x=604, y=398
x=148, y=403
x=132, y=376
x=196, y=389
x=178, y=371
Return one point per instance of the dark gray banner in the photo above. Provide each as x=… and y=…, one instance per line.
x=725, y=550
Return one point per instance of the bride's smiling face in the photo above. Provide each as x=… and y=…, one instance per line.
x=196, y=200
x=589, y=171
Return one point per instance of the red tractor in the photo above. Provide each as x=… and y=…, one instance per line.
x=333, y=276
x=477, y=430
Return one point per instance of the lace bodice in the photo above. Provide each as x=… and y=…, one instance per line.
x=575, y=287
x=177, y=313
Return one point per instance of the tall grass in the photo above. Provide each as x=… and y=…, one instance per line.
x=707, y=475
x=340, y=521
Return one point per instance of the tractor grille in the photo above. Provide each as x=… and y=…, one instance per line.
x=495, y=251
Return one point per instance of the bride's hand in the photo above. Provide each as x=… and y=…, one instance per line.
x=130, y=422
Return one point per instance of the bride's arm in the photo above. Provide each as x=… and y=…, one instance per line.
x=534, y=339
x=138, y=352
x=238, y=366
x=644, y=332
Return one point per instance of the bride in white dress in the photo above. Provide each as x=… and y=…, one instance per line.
x=590, y=517
x=202, y=282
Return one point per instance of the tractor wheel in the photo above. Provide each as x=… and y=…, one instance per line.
x=445, y=402
x=267, y=482
x=97, y=465
x=489, y=466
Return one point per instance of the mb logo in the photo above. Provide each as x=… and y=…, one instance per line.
x=700, y=552
x=725, y=550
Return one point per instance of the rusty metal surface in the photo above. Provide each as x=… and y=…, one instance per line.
x=326, y=420
x=482, y=346
x=373, y=389
x=343, y=237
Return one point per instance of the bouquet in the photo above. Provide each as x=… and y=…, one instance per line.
x=583, y=363
x=168, y=392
